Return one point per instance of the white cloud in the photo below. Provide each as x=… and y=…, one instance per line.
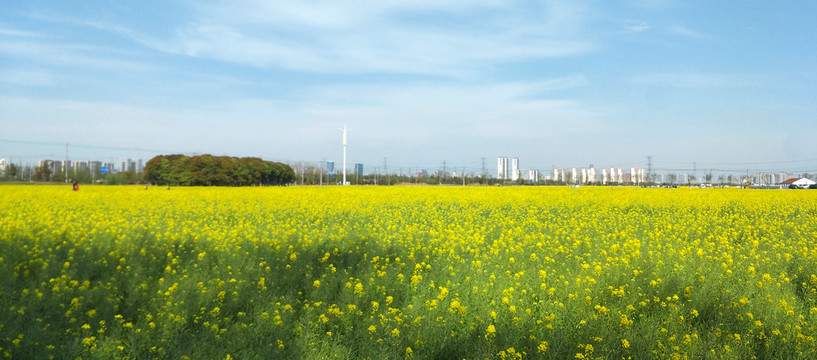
x=451, y=39
x=332, y=15
x=361, y=37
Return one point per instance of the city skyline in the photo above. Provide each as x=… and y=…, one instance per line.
x=509, y=171
x=557, y=84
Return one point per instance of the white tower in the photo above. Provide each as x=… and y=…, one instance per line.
x=344, y=154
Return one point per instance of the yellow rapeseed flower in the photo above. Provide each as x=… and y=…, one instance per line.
x=490, y=331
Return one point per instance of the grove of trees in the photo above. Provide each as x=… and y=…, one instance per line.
x=44, y=171
x=208, y=170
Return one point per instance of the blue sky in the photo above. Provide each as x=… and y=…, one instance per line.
x=727, y=84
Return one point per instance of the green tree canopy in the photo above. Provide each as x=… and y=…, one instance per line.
x=208, y=170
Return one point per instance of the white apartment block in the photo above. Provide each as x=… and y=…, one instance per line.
x=533, y=175
x=502, y=168
x=515, y=172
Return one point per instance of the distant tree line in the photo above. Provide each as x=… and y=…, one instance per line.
x=208, y=170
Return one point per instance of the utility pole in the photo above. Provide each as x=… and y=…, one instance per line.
x=483, y=166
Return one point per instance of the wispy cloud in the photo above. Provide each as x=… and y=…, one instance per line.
x=26, y=77
x=541, y=88
x=450, y=39
x=10, y=32
x=634, y=26
x=364, y=37
x=37, y=48
x=691, y=80
x=684, y=31
x=637, y=26
x=652, y=4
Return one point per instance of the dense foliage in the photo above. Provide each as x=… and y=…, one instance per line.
x=397, y=272
x=208, y=170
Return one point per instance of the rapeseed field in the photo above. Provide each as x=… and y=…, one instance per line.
x=407, y=272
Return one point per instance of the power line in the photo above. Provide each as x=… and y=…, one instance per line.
x=743, y=163
x=85, y=146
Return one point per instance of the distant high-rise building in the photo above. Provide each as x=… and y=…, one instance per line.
x=359, y=169
x=560, y=175
x=637, y=176
x=765, y=179
x=591, y=175
x=81, y=165
x=533, y=175
x=129, y=164
x=55, y=165
x=515, y=169
x=617, y=175
x=502, y=168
